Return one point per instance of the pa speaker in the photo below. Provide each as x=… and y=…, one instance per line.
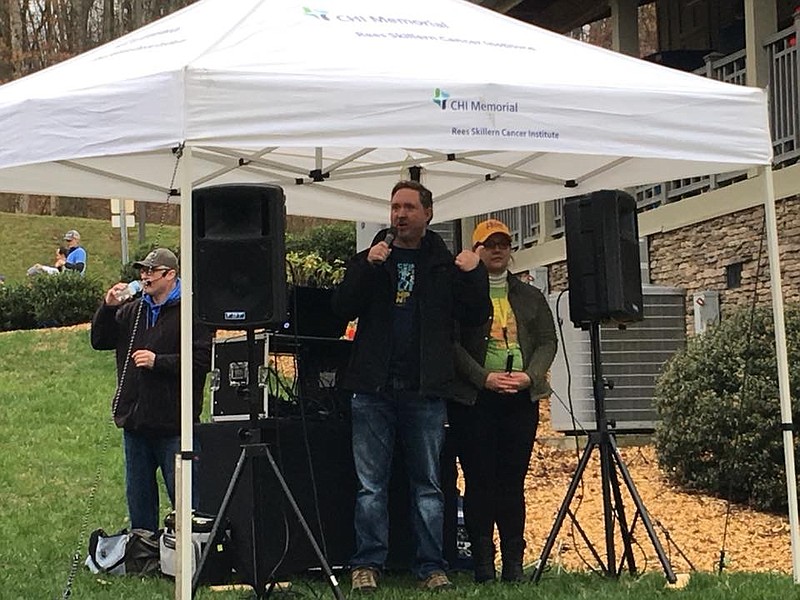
x=602, y=238
x=239, y=248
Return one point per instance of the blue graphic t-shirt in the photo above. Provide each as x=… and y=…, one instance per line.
x=404, y=365
x=77, y=255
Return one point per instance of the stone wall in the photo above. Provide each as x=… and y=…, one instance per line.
x=696, y=257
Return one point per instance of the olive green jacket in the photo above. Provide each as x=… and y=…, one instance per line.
x=536, y=336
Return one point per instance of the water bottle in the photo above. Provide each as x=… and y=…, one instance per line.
x=126, y=293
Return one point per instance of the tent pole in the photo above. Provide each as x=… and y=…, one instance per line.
x=783, y=363
x=183, y=533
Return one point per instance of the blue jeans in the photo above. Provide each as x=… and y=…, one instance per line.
x=417, y=422
x=144, y=455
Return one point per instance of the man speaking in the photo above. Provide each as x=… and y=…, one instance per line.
x=145, y=333
x=406, y=292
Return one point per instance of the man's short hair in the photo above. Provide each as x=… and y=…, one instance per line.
x=425, y=195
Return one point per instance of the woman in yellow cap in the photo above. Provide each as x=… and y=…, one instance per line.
x=502, y=369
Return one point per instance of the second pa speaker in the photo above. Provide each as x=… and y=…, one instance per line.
x=602, y=239
x=239, y=253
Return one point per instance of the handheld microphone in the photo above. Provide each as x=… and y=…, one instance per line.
x=390, y=235
x=509, y=363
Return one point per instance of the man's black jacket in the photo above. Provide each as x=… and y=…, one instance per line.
x=444, y=294
x=149, y=401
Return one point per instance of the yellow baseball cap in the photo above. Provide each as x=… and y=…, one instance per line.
x=485, y=229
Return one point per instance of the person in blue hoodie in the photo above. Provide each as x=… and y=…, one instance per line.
x=145, y=332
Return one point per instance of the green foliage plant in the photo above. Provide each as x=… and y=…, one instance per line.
x=49, y=301
x=331, y=242
x=16, y=307
x=718, y=401
x=312, y=270
x=64, y=299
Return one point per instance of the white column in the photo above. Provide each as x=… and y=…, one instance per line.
x=783, y=364
x=760, y=20
x=183, y=485
x=625, y=26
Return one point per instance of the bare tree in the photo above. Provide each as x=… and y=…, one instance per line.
x=109, y=20
x=6, y=67
x=648, y=29
x=16, y=35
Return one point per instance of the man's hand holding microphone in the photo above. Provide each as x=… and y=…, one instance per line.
x=380, y=252
x=466, y=260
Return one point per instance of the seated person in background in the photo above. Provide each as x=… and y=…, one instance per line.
x=61, y=257
x=76, y=255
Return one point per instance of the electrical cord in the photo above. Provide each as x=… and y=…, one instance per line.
x=575, y=428
x=105, y=445
x=743, y=397
x=578, y=426
x=306, y=442
x=304, y=421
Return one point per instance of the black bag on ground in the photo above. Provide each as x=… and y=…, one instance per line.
x=123, y=553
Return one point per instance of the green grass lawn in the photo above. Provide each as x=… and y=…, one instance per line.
x=55, y=434
x=31, y=239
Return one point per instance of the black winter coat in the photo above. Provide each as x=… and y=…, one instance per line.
x=444, y=294
x=150, y=399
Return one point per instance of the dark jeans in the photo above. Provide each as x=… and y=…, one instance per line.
x=494, y=440
x=417, y=422
x=144, y=455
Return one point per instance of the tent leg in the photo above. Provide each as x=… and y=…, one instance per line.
x=783, y=363
x=183, y=533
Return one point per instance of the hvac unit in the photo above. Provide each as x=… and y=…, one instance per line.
x=631, y=358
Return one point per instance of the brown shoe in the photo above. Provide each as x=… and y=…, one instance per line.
x=364, y=580
x=436, y=582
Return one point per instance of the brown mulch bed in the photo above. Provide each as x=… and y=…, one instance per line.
x=693, y=522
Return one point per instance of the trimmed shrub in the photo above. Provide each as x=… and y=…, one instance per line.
x=16, y=307
x=336, y=241
x=65, y=299
x=49, y=301
x=718, y=400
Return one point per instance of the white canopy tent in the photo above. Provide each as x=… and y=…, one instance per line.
x=336, y=102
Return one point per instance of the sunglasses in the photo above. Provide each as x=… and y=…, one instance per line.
x=500, y=244
x=151, y=270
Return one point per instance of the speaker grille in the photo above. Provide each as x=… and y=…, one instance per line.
x=239, y=276
x=602, y=240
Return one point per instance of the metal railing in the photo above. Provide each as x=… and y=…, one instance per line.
x=784, y=116
x=783, y=95
x=522, y=221
x=784, y=102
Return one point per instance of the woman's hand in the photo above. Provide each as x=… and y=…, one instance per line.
x=520, y=380
x=507, y=383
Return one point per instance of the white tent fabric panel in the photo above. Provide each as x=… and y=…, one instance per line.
x=445, y=75
x=336, y=102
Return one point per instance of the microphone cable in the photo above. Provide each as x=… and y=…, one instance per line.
x=81, y=540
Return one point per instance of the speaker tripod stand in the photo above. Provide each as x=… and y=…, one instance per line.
x=260, y=456
x=610, y=463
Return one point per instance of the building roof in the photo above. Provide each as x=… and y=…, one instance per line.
x=556, y=15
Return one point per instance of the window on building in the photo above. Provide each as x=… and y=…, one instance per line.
x=733, y=275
